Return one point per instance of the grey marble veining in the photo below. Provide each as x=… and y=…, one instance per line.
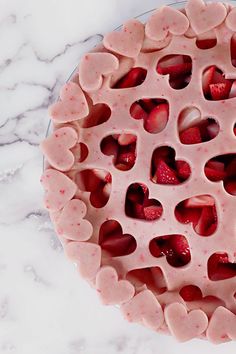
x=45, y=308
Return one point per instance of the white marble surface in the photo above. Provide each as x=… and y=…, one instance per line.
x=45, y=308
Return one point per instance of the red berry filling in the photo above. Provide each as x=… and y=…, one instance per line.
x=206, y=43
x=220, y=268
x=134, y=77
x=154, y=112
x=97, y=183
x=223, y=168
x=215, y=86
x=113, y=241
x=201, y=212
x=233, y=50
x=166, y=170
x=123, y=148
x=179, y=69
x=138, y=205
x=152, y=277
x=174, y=247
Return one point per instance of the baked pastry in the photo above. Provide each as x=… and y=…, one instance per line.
x=141, y=175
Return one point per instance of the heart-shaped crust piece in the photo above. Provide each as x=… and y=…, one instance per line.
x=59, y=189
x=204, y=17
x=71, y=224
x=166, y=20
x=183, y=325
x=93, y=67
x=111, y=290
x=222, y=326
x=86, y=255
x=57, y=147
x=72, y=106
x=231, y=20
x=144, y=308
x=128, y=41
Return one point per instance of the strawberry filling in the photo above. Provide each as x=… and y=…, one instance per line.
x=233, y=50
x=174, y=247
x=215, y=86
x=138, y=205
x=153, y=112
x=97, y=183
x=201, y=212
x=113, y=241
x=179, y=69
x=220, y=268
x=166, y=170
x=200, y=132
x=123, y=148
x=134, y=77
x=223, y=168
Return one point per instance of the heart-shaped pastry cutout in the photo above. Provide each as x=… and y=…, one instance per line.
x=215, y=86
x=222, y=326
x=113, y=241
x=128, y=41
x=183, y=325
x=174, y=247
x=113, y=291
x=94, y=67
x=72, y=105
x=139, y=206
x=144, y=308
x=153, y=111
x=71, y=223
x=220, y=268
x=201, y=212
x=204, y=17
x=223, y=168
x=57, y=147
x=123, y=149
x=98, y=183
x=86, y=255
x=166, y=20
x=165, y=169
x=59, y=189
x=194, y=129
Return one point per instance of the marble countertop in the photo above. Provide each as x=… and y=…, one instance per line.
x=45, y=308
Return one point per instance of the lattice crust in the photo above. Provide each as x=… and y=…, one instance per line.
x=116, y=250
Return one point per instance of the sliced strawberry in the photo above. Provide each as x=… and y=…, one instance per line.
x=148, y=104
x=126, y=139
x=232, y=93
x=189, y=117
x=108, y=178
x=199, y=201
x=164, y=174
x=135, y=77
x=219, y=267
x=157, y=119
x=207, y=79
x=176, y=71
x=220, y=91
x=212, y=130
x=191, y=136
x=152, y=212
x=230, y=187
x=219, y=78
x=207, y=223
x=191, y=293
x=118, y=244
x=231, y=168
x=183, y=170
x=214, y=175
x=126, y=158
x=163, y=153
x=179, y=252
x=138, y=211
x=185, y=216
x=206, y=43
x=137, y=112
x=109, y=146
